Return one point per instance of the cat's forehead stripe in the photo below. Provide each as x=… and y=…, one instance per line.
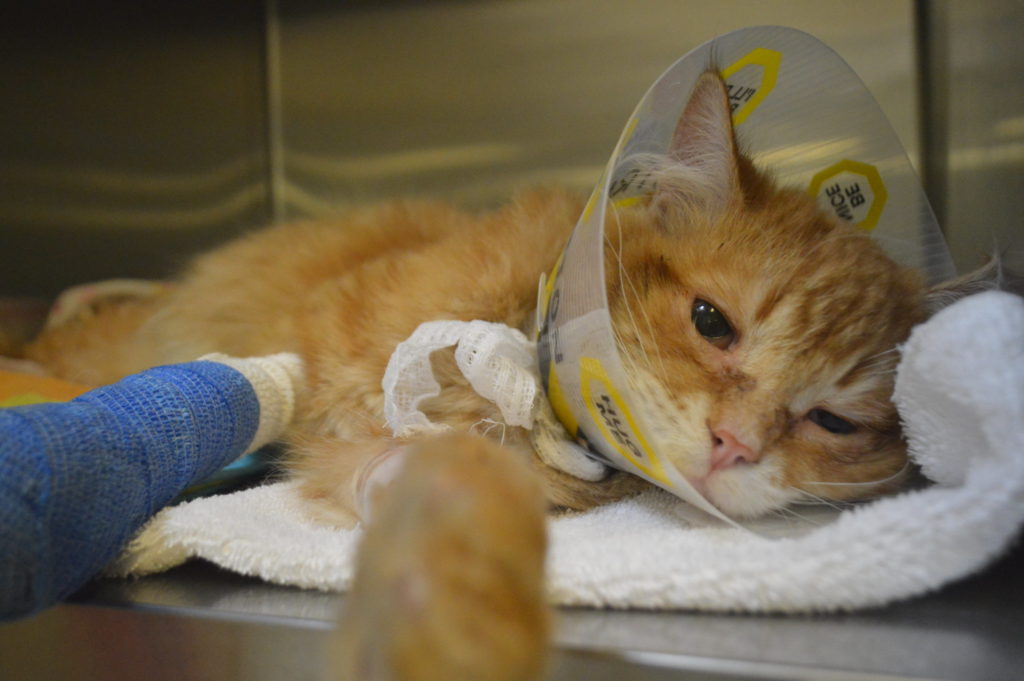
x=768, y=305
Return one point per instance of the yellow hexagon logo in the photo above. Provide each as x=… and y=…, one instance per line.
x=852, y=191
x=749, y=80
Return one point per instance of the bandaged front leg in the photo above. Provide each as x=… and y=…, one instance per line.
x=78, y=479
x=276, y=380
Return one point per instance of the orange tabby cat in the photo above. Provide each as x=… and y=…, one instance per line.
x=758, y=331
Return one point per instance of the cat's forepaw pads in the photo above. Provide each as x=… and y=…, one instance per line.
x=78, y=300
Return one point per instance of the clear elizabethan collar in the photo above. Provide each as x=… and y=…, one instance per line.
x=800, y=110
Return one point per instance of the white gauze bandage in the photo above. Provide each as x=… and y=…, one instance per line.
x=500, y=364
x=498, y=361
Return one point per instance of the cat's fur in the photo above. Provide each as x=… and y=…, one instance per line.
x=816, y=307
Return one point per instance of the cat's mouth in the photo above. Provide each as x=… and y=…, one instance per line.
x=701, y=485
x=706, y=485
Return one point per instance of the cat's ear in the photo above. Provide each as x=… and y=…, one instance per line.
x=987, y=277
x=703, y=168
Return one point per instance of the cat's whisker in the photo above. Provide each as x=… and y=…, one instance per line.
x=809, y=499
x=881, y=364
x=890, y=351
x=790, y=514
x=888, y=354
x=624, y=281
x=888, y=358
x=879, y=372
x=650, y=328
x=491, y=425
x=880, y=367
x=785, y=513
x=867, y=483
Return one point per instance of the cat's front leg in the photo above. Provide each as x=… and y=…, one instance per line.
x=449, y=579
x=572, y=478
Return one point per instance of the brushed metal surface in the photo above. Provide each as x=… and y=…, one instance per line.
x=130, y=135
x=134, y=135
x=984, y=115
x=468, y=100
x=198, y=622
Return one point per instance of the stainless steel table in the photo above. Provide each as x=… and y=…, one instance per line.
x=199, y=622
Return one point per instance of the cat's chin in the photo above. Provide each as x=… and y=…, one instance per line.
x=745, y=492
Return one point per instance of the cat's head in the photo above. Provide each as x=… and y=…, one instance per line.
x=759, y=332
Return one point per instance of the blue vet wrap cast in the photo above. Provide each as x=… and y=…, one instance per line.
x=78, y=479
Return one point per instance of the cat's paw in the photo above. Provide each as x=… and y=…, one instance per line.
x=449, y=580
x=81, y=300
x=556, y=448
x=22, y=366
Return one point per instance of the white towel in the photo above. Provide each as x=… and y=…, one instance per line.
x=960, y=391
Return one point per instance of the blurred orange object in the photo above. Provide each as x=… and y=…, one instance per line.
x=17, y=389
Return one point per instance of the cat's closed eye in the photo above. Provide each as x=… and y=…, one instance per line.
x=711, y=323
x=830, y=422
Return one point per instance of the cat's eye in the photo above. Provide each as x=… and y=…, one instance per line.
x=830, y=422
x=712, y=324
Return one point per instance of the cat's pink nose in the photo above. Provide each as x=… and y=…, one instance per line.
x=727, y=450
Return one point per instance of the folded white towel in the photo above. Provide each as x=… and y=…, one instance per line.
x=960, y=391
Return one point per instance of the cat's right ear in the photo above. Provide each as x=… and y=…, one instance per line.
x=703, y=162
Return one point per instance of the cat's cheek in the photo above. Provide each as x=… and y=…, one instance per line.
x=682, y=437
x=676, y=424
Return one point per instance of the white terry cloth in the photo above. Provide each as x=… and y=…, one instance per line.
x=960, y=391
